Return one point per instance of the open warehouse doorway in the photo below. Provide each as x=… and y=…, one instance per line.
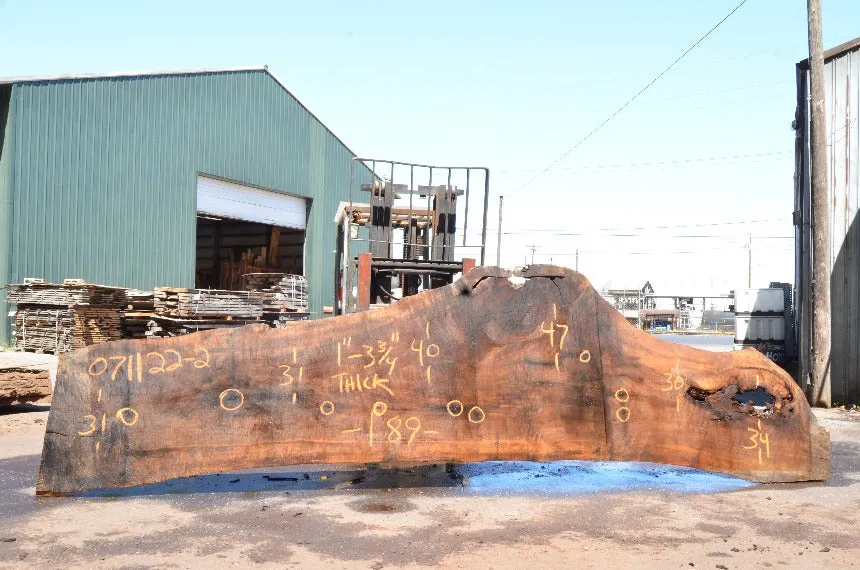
x=244, y=229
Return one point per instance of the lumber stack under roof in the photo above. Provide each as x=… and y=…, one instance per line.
x=55, y=318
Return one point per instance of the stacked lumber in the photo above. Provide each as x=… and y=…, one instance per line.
x=162, y=327
x=277, y=299
x=139, y=312
x=281, y=320
x=73, y=292
x=136, y=324
x=205, y=303
x=291, y=293
x=56, y=318
x=283, y=292
x=22, y=385
x=140, y=301
x=60, y=329
x=261, y=281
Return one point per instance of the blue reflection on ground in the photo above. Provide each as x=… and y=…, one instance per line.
x=583, y=477
x=491, y=477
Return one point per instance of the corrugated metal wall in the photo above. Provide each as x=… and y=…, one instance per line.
x=5, y=201
x=842, y=103
x=104, y=172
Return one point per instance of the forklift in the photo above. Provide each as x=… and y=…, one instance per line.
x=402, y=240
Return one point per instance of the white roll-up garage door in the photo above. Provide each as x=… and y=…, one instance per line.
x=225, y=199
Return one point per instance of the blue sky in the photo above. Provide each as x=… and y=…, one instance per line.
x=513, y=86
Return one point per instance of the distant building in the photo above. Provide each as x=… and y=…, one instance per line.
x=629, y=302
x=659, y=319
x=645, y=309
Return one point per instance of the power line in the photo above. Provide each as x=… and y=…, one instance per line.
x=784, y=94
x=665, y=162
x=709, y=224
x=740, y=248
x=629, y=101
x=716, y=92
x=552, y=231
x=673, y=226
x=699, y=95
x=639, y=235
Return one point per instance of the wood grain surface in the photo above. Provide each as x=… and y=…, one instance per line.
x=534, y=366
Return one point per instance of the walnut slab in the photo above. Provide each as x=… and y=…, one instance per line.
x=534, y=366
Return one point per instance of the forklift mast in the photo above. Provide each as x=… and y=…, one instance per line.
x=402, y=239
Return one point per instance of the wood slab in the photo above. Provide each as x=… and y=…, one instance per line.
x=534, y=366
x=23, y=385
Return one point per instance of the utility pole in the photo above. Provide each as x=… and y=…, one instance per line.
x=749, y=261
x=820, y=386
x=577, y=260
x=532, y=248
x=499, y=242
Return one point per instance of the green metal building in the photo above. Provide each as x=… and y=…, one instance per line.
x=119, y=179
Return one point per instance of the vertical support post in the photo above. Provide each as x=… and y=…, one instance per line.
x=486, y=210
x=444, y=221
x=749, y=261
x=216, y=255
x=411, y=250
x=364, y=262
x=337, y=307
x=468, y=264
x=821, y=256
x=346, y=265
x=381, y=202
x=274, y=244
x=499, y=241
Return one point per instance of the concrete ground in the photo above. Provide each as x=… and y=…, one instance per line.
x=568, y=514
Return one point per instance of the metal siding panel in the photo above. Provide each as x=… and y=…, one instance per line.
x=843, y=108
x=6, y=189
x=318, y=237
x=836, y=112
x=851, y=380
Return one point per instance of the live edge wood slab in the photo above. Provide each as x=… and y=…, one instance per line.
x=532, y=366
